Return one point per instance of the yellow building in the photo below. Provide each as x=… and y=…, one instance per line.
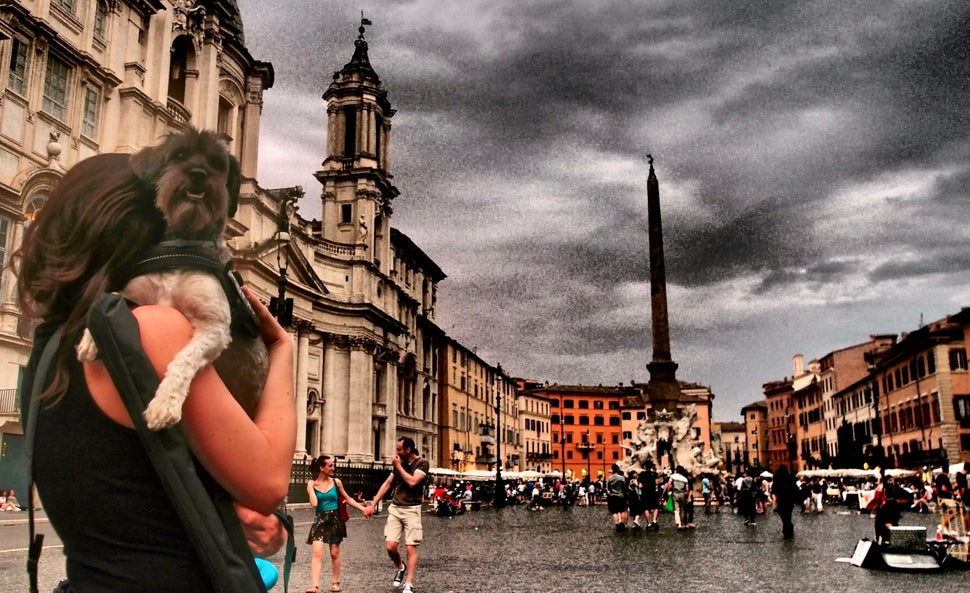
x=479, y=413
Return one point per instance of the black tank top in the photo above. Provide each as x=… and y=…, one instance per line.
x=104, y=499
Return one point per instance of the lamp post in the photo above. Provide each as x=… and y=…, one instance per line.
x=280, y=306
x=499, y=487
x=877, y=422
x=587, y=447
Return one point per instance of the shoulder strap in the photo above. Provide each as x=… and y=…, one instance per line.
x=32, y=408
x=287, y=522
x=209, y=520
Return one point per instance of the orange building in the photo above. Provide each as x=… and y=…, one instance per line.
x=585, y=424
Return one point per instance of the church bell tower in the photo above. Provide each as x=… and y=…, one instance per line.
x=357, y=190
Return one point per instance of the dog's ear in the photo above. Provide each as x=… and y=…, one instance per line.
x=233, y=181
x=148, y=163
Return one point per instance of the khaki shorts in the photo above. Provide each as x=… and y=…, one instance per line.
x=406, y=520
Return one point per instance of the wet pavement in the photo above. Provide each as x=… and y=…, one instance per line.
x=514, y=550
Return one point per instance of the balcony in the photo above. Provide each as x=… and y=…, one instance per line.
x=10, y=401
x=178, y=112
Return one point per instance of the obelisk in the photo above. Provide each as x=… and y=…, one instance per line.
x=663, y=388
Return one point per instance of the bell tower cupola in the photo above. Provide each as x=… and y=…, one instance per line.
x=356, y=178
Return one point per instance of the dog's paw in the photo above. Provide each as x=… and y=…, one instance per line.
x=163, y=411
x=86, y=349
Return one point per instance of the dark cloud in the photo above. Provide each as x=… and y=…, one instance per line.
x=812, y=156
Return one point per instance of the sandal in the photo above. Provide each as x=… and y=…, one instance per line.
x=313, y=589
x=335, y=588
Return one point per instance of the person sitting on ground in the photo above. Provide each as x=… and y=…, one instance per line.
x=923, y=500
x=10, y=503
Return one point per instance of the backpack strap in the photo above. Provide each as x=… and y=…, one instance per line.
x=29, y=422
x=208, y=517
x=287, y=522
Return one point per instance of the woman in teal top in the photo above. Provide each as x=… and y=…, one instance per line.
x=328, y=528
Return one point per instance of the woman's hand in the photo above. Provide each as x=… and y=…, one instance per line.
x=270, y=330
x=264, y=533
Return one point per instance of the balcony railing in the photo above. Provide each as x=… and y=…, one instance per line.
x=10, y=401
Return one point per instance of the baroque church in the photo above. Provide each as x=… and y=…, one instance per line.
x=90, y=76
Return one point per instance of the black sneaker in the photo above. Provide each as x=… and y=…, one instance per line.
x=399, y=576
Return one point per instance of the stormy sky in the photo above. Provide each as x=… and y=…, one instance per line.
x=813, y=158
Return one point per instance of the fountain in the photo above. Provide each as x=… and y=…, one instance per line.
x=665, y=432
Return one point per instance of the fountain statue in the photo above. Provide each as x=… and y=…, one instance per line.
x=668, y=434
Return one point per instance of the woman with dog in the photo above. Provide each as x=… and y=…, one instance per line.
x=328, y=527
x=83, y=243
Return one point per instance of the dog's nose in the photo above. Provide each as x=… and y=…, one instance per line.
x=197, y=176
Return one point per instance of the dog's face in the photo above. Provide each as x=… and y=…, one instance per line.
x=196, y=182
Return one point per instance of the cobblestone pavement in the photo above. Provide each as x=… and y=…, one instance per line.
x=555, y=550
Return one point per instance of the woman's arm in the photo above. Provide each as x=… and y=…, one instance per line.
x=312, y=493
x=249, y=458
x=350, y=501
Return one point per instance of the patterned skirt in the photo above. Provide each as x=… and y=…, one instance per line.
x=327, y=528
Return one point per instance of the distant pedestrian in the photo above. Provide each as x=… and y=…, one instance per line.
x=634, y=507
x=706, y=491
x=746, y=497
x=616, y=497
x=677, y=486
x=648, y=495
x=783, y=495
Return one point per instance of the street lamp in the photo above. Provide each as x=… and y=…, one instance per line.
x=587, y=447
x=280, y=306
x=499, y=488
x=877, y=422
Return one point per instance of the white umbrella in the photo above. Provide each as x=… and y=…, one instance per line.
x=766, y=474
x=443, y=471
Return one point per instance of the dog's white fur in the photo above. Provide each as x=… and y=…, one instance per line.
x=200, y=297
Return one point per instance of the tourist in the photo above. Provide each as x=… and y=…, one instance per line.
x=816, y=488
x=706, y=491
x=649, y=500
x=634, y=507
x=746, y=497
x=944, y=498
x=406, y=483
x=921, y=504
x=616, y=497
x=718, y=494
x=783, y=494
x=889, y=506
x=10, y=502
x=325, y=492
x=689, y=504
x=677, y=486
x=86, y=449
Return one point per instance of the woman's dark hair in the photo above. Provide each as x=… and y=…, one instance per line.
x=85, y=241
x=317, y=464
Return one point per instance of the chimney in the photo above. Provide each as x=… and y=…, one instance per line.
x=798, y=365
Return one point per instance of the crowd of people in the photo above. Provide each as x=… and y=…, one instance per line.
x=635, y=498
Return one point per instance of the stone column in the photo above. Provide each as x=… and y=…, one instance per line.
x=359, y=436
x=303, y=329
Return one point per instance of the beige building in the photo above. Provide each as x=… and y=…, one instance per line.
x=96, y=76
x=535, y=429
x=81, y=78
x=479, y=413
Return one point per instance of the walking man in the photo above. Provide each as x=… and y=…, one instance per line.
x=406, y=483
x=616, y=497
